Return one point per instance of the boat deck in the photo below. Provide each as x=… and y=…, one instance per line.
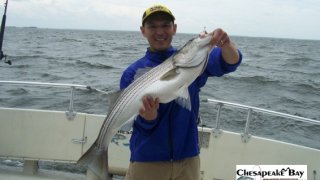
x=16, y=173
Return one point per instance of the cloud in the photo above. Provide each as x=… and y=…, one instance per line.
x=285, y=18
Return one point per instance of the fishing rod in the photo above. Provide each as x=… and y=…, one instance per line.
x=3, y=25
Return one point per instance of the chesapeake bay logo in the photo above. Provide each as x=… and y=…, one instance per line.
x=271, y=172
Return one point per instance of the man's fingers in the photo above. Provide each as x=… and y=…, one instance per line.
x=149, y=107
x=220, y=37
x=149, y=103
x=146, y=103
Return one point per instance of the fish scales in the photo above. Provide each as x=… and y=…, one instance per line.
x=126, y=98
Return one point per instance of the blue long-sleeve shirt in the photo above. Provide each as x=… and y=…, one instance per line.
x=173, y=135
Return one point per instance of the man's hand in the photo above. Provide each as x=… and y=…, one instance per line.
x=229, y=51
x=149, y=109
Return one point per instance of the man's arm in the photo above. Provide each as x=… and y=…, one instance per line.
x=229, y=51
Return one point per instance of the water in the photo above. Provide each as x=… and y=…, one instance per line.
x=277, y=74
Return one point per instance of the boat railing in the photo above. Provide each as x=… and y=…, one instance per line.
x=70, y=112
x=245, y=136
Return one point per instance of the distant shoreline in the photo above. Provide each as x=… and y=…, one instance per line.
x=34, y=27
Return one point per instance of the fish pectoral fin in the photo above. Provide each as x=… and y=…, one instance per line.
x=190, y=64
x=184, y=98
x=169, y=75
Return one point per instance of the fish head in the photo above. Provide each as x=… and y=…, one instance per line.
x=194, y=52
x=203, y=40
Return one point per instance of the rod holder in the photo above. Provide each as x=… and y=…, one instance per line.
x=245, y=137
x=70, y=113
x=217, y=131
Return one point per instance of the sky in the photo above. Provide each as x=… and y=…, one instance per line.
x=297, y=19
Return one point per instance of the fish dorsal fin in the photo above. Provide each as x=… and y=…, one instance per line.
x=112, y=98
x=184, y=98
x=169, y=75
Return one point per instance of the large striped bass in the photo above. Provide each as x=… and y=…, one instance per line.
x=168, y=81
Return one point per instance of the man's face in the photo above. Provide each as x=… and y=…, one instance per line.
x=159, y=31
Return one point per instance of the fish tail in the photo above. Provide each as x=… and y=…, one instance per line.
x=88, y=156
x=99, y=166
x=97, y=161
x=105, y=165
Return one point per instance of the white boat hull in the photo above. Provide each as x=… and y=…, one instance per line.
x=48, y=135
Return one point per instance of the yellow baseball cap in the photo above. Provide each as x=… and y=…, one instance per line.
x=156, y=8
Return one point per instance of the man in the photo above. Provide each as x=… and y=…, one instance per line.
x=164, y=142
